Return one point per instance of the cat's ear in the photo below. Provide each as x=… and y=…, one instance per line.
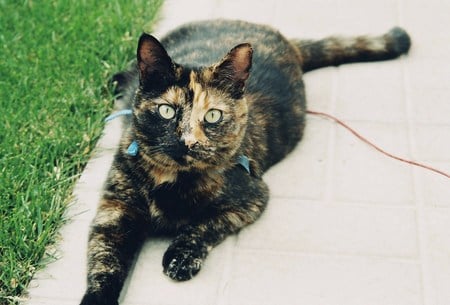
x=156, y=68
x=234, y=69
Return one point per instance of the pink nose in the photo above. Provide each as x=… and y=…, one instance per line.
x=189, y=140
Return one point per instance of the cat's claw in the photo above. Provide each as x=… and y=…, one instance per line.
x=181, y=265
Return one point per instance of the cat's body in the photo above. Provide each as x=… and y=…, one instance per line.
x=196, y=122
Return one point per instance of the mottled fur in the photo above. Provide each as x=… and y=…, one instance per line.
x=185, y=180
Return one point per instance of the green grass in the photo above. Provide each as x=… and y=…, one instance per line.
x=56, y=58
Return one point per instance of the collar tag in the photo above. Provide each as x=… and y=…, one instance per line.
x=244, y=162
x=133, y=149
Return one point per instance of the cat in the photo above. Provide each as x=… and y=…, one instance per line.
x=214, y=105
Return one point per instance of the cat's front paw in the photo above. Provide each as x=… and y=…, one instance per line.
x=182, y=264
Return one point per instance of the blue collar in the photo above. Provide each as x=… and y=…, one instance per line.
x=118, y=114
x=133, y=149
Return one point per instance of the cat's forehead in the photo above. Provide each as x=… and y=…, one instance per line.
x=174, y=95
x=194, y=92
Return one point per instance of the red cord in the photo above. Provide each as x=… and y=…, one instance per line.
x=375, y=146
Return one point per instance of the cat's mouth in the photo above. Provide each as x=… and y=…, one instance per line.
x=191, y=159
x=182, y=156
x=184, y=161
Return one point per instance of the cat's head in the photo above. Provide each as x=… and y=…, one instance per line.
x=190, y=118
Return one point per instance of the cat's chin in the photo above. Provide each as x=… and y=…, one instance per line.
x=188, y=163
x=179, y=164
x=184, y=161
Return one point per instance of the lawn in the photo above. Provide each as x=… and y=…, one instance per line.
x=56, y=58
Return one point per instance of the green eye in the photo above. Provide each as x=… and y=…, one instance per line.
x=166, y=112
x=213, y=116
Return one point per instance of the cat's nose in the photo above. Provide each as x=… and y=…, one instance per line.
x=189, y=141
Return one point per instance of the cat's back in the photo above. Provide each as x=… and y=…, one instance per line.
x=203, y=43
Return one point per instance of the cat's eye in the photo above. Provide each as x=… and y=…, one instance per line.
x=213, y=116
x=166, y=112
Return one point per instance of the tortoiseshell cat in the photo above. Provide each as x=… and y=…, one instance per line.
x=203, y=131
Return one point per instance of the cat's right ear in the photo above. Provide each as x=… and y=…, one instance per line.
x=156, y=68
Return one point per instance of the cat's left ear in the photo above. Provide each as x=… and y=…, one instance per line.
x=234, y=69
x=156, y=68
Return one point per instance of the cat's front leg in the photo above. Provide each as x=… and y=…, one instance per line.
x=117, y=233
x=185, y=255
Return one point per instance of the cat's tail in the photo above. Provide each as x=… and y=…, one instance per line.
x=336, y=50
